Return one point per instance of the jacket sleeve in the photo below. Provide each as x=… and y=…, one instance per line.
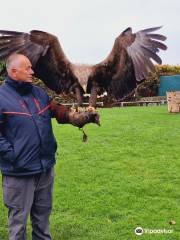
x=6, y=148
x=60, y=112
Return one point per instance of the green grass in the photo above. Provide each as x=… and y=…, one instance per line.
x=126, y=175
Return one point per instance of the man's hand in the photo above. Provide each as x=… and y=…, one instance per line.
x=79, y=119
x=66, y=115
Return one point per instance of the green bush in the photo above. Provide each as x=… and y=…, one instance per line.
x=2, y=67
x=150, y=86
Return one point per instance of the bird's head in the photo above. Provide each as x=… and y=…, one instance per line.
x=82, y=72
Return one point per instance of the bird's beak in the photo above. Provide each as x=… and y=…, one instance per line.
x=84, y=86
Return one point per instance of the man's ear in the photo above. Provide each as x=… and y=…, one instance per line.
x=13, y=72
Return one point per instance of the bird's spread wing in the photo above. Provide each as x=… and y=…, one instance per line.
x=129, y=62
x=45, y=53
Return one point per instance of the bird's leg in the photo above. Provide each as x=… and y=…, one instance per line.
x=93, y=97
x=79, y=99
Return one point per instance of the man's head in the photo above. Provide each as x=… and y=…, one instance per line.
x=19, y=68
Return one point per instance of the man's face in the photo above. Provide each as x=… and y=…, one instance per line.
x=23, y=72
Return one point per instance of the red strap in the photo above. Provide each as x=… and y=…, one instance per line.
x=17, y=113
x=37, y=103
x=44, y=109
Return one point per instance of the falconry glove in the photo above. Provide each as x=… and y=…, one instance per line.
x=79, y=119
x=66, y=115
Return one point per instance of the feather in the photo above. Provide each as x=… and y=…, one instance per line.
x=150, y=54
x=151, y=29
x=156, y=36
x=157, y=45
x=6, y=32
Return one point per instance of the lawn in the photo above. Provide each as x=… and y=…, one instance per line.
x=126, y=175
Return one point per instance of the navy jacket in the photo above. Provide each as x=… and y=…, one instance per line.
x=27, y=143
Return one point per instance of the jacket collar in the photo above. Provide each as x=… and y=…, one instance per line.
x=21, y=87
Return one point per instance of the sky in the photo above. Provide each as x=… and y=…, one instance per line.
x=87, y=29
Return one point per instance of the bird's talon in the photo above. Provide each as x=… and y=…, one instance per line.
x=91, y=109
x=80, y=109
x=73, y=110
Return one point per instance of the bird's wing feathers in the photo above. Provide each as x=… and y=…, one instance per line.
x=19, y=42
x=143, y=49
x=130, y=61
x=45, y=53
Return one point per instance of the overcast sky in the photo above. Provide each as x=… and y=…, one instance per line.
x=87, y=28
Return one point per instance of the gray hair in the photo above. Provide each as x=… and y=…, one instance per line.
x=12, y=61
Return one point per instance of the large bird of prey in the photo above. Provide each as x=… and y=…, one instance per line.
x=129, y=62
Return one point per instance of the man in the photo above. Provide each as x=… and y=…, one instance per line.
x=27, y=148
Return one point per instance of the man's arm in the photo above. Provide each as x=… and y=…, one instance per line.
x=65, y=115
x=59, y=111
x=6, y=148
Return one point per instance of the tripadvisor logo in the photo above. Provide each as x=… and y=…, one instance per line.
x=139, y=231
